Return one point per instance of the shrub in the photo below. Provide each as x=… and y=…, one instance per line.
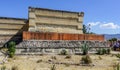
x=14, y=68
x=53, y=57
x=108, y=51
x=3, y=68
x=38, y=61
x=118, y=56
x=63, y=52
x=68, y=57
x=103, y=51
x=85, y=49
x=116, y=66
x=100, y=58
x=9, y=60
x=99, y=51
x=67, y=65
x=11, y=49
x=53, y=67
x=86, y=59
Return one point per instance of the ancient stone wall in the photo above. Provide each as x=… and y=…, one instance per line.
x=47, y=20
x=48, y=31
x=12, y=28
x=56, y=46
x=61, y=36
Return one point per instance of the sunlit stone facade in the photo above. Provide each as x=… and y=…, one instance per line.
x=47, y=20
x=40, y=20
x=48, y=31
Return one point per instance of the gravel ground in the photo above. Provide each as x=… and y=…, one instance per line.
x=101, y=62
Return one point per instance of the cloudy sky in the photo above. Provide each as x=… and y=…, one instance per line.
x=102, y=15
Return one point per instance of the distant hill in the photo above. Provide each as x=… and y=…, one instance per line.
x=109, y=36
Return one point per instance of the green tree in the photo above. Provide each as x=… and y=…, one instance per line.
x=84, y=29
x=11, y=49
x=112, y=39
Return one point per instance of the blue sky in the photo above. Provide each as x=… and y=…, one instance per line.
x=103, y=15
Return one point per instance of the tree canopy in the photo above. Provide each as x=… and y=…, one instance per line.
x=113, y=39
x=86, y=30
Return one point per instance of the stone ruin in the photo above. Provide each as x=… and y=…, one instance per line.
x=46, y=21
x=55, y=46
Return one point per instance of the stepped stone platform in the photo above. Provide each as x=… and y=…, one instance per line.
x=56, y=46
x=60, y=43
x=48, y=31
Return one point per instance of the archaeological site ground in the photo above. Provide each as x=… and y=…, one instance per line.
x=53, y=40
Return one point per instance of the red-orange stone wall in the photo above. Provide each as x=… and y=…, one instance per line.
x=60, y=36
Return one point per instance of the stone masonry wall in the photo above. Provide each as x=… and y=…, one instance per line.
x=56, y=46
x=47, y=20
x=11, y=29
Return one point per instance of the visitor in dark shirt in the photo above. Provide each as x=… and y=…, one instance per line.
x=116, y=45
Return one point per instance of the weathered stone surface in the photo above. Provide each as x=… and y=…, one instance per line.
x=12, y=28
x=54, y=19
x=61, y=43
x=56, y=46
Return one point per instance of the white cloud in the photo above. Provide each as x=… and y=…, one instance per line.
x=104, y=25
x=93, y=23
x=109, y=26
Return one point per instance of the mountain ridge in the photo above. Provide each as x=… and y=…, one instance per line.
x=109, y=36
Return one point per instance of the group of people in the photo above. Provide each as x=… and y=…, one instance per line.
x=116, y=45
